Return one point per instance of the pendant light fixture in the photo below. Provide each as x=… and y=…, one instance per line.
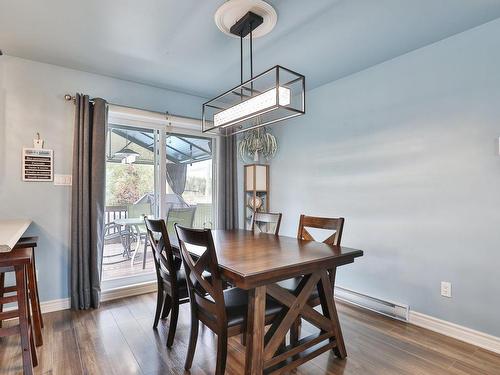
x=271, y=96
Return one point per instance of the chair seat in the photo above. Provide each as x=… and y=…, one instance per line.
x=292, y=284
x=181, y=283
x=236, y=301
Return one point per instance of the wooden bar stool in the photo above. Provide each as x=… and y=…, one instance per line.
x=19, y=261
x=27, y=243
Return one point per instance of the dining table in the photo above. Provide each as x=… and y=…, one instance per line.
x=257, y=262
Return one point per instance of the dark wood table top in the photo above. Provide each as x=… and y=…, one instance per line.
x=249, y=259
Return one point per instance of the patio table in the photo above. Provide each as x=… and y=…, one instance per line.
x=128, y=223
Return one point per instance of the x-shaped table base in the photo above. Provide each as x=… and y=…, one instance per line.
x=265, y=351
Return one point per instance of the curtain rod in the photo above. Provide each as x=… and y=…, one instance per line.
x=167, y=115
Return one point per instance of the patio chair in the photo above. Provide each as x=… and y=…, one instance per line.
x=182, y=216
x=114, y=234
x=138, y=232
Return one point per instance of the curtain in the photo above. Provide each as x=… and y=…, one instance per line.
x=228, y=184
x=176, y=177
x=87, y=216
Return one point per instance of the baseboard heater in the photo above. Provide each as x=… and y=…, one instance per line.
x=391, y=309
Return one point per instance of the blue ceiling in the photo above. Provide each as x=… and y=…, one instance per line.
x=175, y=44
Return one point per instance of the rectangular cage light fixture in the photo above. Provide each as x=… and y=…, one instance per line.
x=274, y=95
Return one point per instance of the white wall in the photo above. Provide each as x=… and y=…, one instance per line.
x=32, y=100
x=407, y=152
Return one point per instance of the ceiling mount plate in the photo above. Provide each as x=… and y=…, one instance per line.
x=232, y=11
x=248, y=23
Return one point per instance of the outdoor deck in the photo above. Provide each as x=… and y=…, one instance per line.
x=125, y=268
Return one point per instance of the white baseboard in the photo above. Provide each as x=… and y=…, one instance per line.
x=468, y=335
x=55, y=305
x=402, y=312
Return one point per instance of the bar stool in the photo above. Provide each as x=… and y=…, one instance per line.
x=19, y=262
x=27, y=243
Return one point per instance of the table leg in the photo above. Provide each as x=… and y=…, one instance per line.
x=254, y=363
x=330, y=311
x=124, y=241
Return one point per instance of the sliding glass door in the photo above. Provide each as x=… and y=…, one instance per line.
x=152, y=173
x=189, y=181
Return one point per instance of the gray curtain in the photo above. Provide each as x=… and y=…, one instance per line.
x=176, y=177
x=228, y=164
x=87, y=216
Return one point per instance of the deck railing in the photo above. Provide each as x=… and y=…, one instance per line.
x=112, y=213
x=202, y=217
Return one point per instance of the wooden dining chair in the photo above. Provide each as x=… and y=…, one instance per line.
x=333, y=224
x=19, y=262
x=171, y=279
x=32, y=284
x=266, y=222
x=223, y=311
x=307, y=222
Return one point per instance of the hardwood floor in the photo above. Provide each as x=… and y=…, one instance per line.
x=118, y=339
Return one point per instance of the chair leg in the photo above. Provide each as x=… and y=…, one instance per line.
x=34, y=357
x=23, y=320
x=35, y=305
x=173, y=321
x=145, y=253
x=159, y=306
x=167, y=304
x=2, y=286
x=221, y=353
x=36, y=290
x=193, y=338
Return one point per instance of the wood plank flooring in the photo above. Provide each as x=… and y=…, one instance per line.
x=118, y=339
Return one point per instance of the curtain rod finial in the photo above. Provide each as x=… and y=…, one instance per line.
x=68, y=97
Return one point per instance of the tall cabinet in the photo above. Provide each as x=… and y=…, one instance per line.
x=256, y=188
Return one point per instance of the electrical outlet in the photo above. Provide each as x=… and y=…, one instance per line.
x=446, y=289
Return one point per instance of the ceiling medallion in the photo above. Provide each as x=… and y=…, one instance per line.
x=271, y=96
x=231, y=11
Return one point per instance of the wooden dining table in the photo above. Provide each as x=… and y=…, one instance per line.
x=257, y=262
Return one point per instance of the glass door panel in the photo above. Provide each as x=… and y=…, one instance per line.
x=131, y=170
x=189, y=193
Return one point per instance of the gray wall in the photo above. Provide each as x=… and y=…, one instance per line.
x=407, y=152
x=31, y=100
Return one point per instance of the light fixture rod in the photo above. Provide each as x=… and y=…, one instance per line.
x=251, y=50
x=241, y=59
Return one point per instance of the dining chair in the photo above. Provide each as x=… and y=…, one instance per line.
x=266, y=222
x=19, y=262
x=307, y=222
x=171, y=279
x=223, y=311
x=32, y=285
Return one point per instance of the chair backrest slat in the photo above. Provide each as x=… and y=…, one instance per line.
x=205, y=293
x=334, y=224
x=266, y=222
x=162, y=251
